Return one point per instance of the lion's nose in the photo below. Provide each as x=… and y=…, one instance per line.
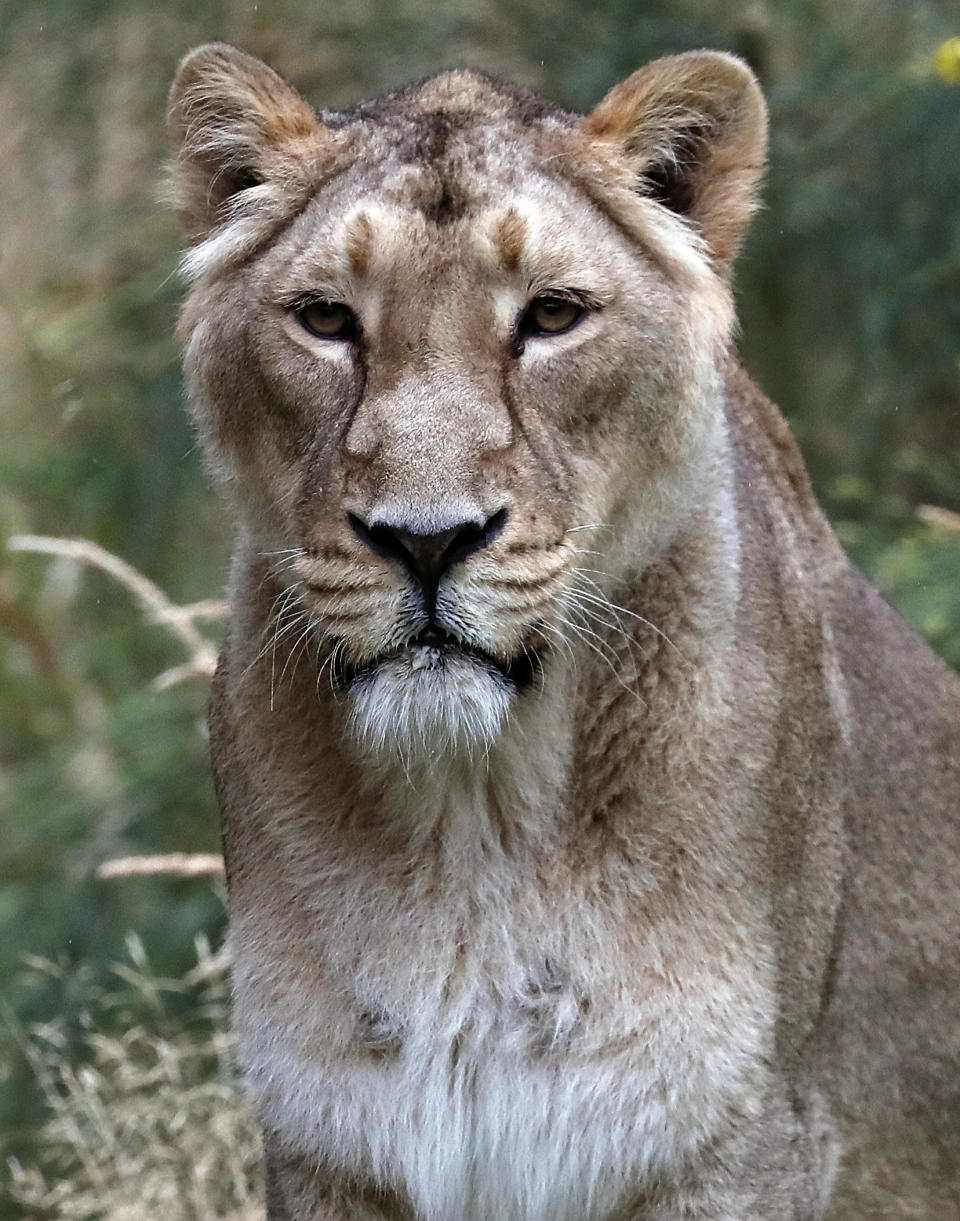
x=427, y=556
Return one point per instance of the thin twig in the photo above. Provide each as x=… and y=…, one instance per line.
x=177, y=619
x=935, y=516
x=178, y=864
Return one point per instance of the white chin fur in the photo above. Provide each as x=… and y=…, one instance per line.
x=424, y=705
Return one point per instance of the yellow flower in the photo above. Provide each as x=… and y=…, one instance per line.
x=946, y=60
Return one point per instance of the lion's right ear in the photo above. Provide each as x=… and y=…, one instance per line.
x=236, y=124
x=692, y=130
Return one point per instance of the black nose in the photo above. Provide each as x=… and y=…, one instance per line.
x=428, y=556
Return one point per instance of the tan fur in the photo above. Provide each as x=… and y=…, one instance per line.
x=512, y=237
x=701, y=116
x=668, y=929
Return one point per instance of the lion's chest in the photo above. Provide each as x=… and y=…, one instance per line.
x=507, y=1075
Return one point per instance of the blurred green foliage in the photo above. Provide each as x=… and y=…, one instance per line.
x=850, y=301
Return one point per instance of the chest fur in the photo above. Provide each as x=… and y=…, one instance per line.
x=525, y=1045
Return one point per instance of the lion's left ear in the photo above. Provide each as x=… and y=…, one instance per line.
x=693, y=129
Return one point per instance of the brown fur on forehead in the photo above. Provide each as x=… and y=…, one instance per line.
x=358, y=243
x=459, y=91
x=456, y=129
x=511, y=239
x=449, y=166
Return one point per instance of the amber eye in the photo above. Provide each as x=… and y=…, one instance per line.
x=327, y=319
x=551, y=315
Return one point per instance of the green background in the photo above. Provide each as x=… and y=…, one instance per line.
x=849, y=293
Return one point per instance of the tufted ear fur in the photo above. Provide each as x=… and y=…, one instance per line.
x=236, y=124
x=693, y=129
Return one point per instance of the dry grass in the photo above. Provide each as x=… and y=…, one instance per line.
x=148, y=1123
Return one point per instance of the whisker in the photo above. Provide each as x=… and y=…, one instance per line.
x=584, y=595
x=622, y=610
x=603, y=599
x=323, y=666
x=293, y=653
x=589, y=613
x=336, y=656
x=280, y=628
x=588, y=616
x=565, y=644
x=282, y=562
x=273, y=620
x=297, y=618
x=582, y=632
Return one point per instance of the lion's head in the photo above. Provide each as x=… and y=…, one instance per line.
x=458, y=356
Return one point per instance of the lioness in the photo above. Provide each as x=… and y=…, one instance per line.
x=591, y=824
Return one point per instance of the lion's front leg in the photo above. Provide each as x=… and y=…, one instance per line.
x=298, y=1191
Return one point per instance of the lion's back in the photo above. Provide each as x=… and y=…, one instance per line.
x=886, y=1051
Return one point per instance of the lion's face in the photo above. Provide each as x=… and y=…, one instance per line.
x=464, y=385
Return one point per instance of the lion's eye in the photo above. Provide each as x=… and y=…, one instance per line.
x=327, y=319
x=551, y=315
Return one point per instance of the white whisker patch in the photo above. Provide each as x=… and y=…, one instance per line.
x=418, y=707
